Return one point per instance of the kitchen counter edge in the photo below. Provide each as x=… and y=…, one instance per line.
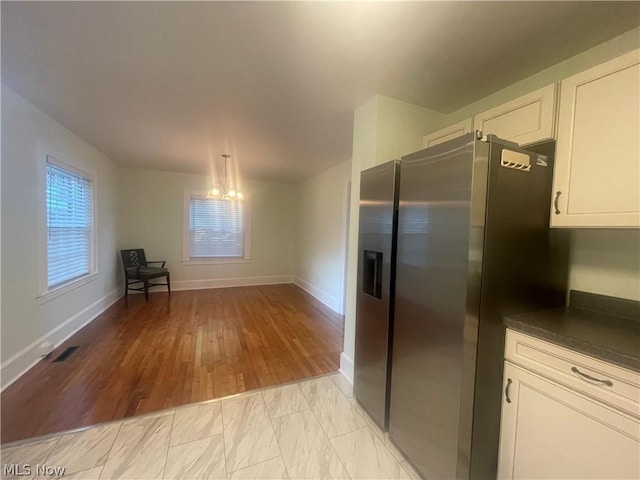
x=607, y=337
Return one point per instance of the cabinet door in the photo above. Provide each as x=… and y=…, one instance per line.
x=527, y=119
x=447, y=133
x=597, y=168
x=550, y=432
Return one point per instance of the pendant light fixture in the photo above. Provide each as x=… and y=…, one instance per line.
x=226, y=188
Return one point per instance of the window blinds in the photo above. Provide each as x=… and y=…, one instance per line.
x=216, y=228
x=69, y=225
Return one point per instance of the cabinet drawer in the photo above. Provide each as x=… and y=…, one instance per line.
x=608, y=383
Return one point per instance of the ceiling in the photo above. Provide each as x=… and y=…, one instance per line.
x=172, y=85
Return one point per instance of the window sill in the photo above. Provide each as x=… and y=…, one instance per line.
x=66, y=288
x=214, y=261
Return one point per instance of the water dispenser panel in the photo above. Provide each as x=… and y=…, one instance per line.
x=372, y=273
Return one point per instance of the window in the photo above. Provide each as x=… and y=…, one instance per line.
x=70, y=224
x=218, y=230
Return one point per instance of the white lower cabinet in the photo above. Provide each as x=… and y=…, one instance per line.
x=550, y=430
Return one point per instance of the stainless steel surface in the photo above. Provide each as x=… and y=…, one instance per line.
x=479, y=185
x=473, y=246
x=524, y=269
x=374, y=304
x=431, y=293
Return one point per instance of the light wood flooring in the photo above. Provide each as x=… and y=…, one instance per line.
x=140, y=357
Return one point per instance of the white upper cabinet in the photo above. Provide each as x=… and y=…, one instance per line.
x=527, y=119
x=597, y=168
x=448, y=133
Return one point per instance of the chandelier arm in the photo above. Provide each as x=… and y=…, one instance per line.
x=226, y=190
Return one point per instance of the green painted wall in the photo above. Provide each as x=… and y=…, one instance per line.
x=583, y=61
x=605, y=261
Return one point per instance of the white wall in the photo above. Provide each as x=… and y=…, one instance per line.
x=400, y=128
x=151, y=217
x=606, y=261
x=322, y=234
x=27, y=134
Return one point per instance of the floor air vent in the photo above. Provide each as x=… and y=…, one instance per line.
x=66, y=354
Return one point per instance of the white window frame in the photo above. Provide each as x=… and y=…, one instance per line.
x=47, y=293
x=186, y=237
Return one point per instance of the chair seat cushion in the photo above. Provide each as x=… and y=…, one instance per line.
x=146, y=272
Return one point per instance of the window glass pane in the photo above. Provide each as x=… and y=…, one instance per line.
x=69, y=225
x=216, y=228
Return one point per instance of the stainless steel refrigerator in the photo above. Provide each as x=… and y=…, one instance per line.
x=473, y=245
x=376, y=277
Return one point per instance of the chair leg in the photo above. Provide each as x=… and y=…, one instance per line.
x=169, y=283
x=146, y=290
x=126, y=287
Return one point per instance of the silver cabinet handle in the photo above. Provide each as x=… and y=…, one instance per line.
x=506, y=390
x=555, y=203
x=608, y=383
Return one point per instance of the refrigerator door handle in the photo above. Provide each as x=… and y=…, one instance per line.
x=506, y=390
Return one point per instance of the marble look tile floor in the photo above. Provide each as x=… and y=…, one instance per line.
x=313, y=429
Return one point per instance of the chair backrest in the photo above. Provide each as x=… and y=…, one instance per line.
x=133, y=258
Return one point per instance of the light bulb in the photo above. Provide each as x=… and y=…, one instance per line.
x=240, y=196
x=215, y=192
x=232, y=193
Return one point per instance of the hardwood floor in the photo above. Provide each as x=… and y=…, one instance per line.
x=196, y=345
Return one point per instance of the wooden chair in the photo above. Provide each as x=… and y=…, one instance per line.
x=137, y=270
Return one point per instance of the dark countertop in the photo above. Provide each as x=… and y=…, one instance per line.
x=585, y=327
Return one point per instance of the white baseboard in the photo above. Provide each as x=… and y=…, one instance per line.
x=230, y=282
x=17, y=365
x=330, y=301
x=346, y=367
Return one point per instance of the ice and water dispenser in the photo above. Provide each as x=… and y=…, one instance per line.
x=372, y=273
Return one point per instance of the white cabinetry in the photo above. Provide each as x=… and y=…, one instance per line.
x=557, y=422
x=447, y=133
x=527, y=119
x=597, y=167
